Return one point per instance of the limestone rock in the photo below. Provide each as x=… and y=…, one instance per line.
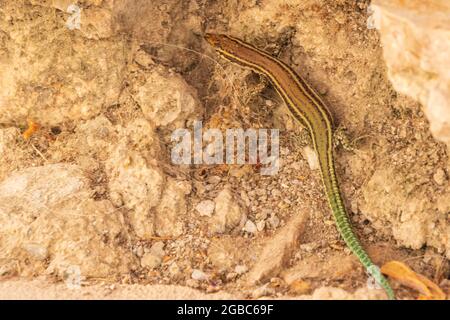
x=278, y=250
x=166, y=99
x=50, y=224
x=205, y=208
x=170, y=211
x=138, y=183
x=153, y=258
x=53, y=87
x=417, y=223
x=416, y=45
x=228, y=213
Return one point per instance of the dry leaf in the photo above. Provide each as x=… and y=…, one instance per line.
x=32, y=128
x=403, y=274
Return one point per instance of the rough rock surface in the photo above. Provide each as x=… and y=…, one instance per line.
x=227, y=215
x=53, y=87
x=419, y=222
x=166, y=99
x=416, y=45
x=50, y=225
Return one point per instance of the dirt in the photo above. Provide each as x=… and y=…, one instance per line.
x=94, y=190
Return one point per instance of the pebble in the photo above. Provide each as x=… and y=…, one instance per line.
x=250, y=227
x=199, y=275
x=214, y=179
x=205, y=208
x=150, y=261
x=157, y=249
x=311, y=156
x=192, y=283
x=140, y=251
x=439, y=176
x=173, y=269
x=262, y=291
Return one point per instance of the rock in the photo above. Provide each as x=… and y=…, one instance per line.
x=153, y=258
x=228, y=214
x=199, y=275
x=262, y=291
x=419, y=221
x=174, y=270
x=51, y=225
x=166, y=99
x=139, y=251
x=415, y=37
x=192, y=283
x=214, y=180
x=58, y=88
x=278, y=250
x=157, y=249
x=171, y=209
x=439, y=177
x=93, y=136
x=151, y=261
x=139, y=185
x=250, y=227
x=226, y=252
x=205, y=208
x=311, y=157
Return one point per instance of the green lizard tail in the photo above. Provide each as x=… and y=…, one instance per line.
x=344, y=226
x=353, y=243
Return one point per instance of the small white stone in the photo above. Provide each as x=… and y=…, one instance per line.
x=250, y=227
x=311, y=156
x=205, y=208
x=227, y=212
x=262, y=291
x=439, y=177
x=199, y=275
x=140, y=251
